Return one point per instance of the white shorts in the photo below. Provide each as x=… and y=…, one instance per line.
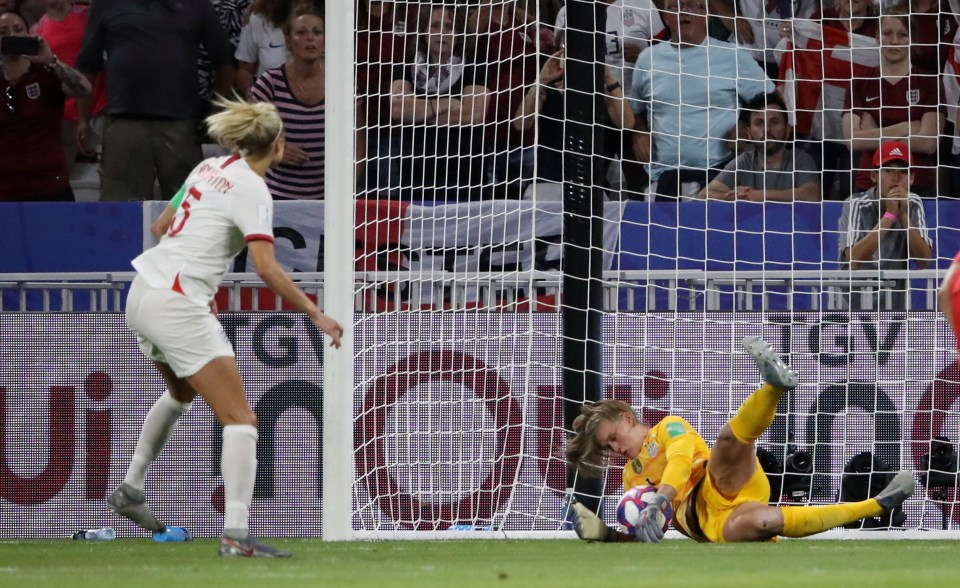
x=175, y=330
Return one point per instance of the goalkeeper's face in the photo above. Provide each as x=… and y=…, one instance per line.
x=623, y=436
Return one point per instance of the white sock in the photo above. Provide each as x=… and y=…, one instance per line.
x=238, y=463
x=160, y=423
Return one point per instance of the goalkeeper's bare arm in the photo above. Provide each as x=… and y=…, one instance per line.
x=719, y=495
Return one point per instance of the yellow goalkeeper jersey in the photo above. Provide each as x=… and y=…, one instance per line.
x=673, y=453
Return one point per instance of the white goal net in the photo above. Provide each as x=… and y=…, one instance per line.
x=499, y=196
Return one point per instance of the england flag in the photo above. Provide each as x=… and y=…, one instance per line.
x=816, y=71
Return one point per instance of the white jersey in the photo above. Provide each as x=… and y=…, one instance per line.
x=630, y=22
x=765, y=19
x=222, y=205
x=560, y=25
x=261, y=43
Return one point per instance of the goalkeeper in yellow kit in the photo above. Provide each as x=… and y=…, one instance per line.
x=716, y=496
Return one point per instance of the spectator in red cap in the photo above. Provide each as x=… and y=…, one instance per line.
x=883, y=228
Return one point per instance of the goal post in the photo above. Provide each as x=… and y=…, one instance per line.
x=338, y=268
x=582, y=330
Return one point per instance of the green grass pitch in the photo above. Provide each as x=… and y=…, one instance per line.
x=130, y=563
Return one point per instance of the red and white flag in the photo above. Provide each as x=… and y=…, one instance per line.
x=816, y=71
x=426, y=245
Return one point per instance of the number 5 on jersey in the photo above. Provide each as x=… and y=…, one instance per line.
x=183, y=212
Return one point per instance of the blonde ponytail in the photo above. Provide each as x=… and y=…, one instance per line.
x=246, y=127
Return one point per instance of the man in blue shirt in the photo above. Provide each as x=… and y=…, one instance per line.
x=686, y=94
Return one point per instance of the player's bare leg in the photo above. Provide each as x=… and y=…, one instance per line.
x=733, y=459
x=179, y=388
x=129, y=499
x=737, y=463
x=220, y=385
x=753, y=521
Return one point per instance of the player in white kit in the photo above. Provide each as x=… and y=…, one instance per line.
x=224, y=206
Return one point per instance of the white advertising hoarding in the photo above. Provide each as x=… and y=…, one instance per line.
x=457, y=415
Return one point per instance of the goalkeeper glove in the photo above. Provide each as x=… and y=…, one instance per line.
x=588, y=525
x=649, y=528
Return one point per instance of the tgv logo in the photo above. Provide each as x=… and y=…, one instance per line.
x=62, y=436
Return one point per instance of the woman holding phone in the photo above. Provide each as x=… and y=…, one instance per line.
x=33, y=90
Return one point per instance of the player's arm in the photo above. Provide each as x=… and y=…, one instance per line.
x=264, y=259
x=680, y=451
x=946, y=295
x=162, y=224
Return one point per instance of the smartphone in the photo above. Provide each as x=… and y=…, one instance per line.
x=18, y=45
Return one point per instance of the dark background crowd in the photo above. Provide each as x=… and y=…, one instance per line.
x=465, y=101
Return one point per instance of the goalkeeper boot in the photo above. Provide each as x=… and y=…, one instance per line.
x=248, y=547
x=899, y=489
x=774, y=371
x=129, y=502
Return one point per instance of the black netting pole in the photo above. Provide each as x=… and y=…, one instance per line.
x=582, y=223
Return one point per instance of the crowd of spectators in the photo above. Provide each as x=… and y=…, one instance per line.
x=465, y=101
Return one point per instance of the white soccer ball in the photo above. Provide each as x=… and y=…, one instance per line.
x=632, y=504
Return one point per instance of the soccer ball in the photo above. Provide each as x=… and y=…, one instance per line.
x=632, y=504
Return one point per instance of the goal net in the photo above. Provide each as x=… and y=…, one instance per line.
x=498, y=142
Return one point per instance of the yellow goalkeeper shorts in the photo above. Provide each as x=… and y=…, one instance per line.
x=713, y=508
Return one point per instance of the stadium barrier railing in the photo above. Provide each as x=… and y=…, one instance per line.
x=625, y=291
